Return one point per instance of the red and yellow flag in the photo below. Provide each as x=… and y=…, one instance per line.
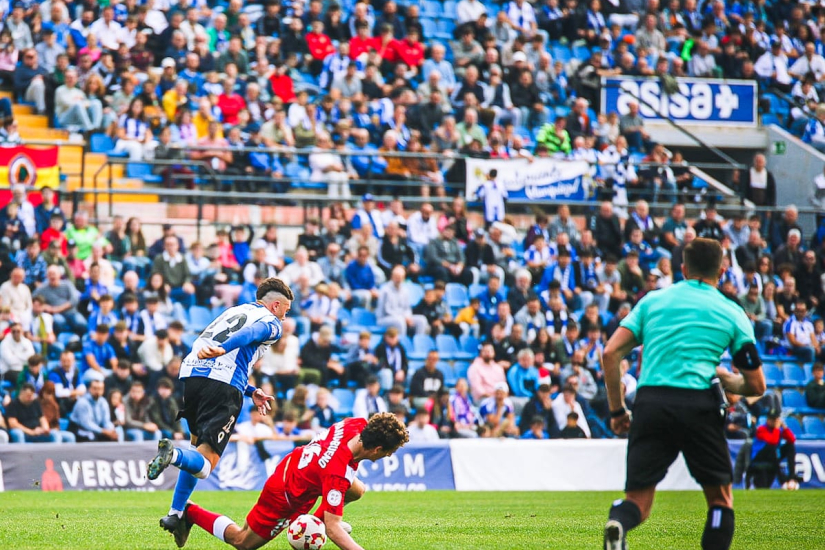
x=32, y=166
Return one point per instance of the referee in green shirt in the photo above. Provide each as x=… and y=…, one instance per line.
x=685, y=329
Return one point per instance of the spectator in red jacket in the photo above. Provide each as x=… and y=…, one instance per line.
x=320, y=46
x=281, y=82
x=769, y=450
x=363, y=42
x=230, y=102
x=411, y=51
x=387, y=48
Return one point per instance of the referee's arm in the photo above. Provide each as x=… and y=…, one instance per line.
x=619, y=345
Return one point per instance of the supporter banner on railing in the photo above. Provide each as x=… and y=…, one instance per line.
x=33, y=167
x=810, y=462
x=542, y=179
x=82, y=467
x=699, y=100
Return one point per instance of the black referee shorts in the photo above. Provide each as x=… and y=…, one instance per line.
x=211, y=409
x=669, y=420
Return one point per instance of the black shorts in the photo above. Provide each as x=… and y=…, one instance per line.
x=211, y=409
x=669, y=420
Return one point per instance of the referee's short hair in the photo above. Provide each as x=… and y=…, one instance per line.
x=274, y=285
x=703, y=258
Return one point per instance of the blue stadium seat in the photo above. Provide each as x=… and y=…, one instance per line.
x=792, y=400
x=476, y=289
x=808, y=368
x=793, y=375
x=64, y=424
x=460, y=369
x=101, y=143
x=770, y=118
x=469, y=344
x=199, y=318
x=189, y=339
x=415, y=292
x=582, y=53
x=422, y=344
x=449, y=376
x=794, y=425
x=773, y=376
x=431, y=8
x=142, y=171
x=429, y=27
x=814, y=428
x=363, y=319
x=561, y=53
x=456, y=295
x=449, y=8
x=66, y=338
x=345, y=400
x=448, y=348
x=445, y=29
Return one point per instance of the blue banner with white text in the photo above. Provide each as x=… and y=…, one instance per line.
x=810, y=462
x=542, y=179
x=699, y=100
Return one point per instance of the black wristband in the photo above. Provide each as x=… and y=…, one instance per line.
x=619, y=413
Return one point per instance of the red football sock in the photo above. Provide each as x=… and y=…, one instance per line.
x=201, y=517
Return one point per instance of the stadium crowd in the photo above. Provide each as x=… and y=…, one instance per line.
x=509, y=80
x=464, y=331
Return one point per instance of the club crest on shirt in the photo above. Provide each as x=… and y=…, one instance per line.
x=334, y=497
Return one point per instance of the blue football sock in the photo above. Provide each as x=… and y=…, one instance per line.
x=189, y=460
x=183, y=490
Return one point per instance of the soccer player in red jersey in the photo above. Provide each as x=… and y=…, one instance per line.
x=324, y=468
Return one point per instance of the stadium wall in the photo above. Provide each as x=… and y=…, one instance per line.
x=463, y=465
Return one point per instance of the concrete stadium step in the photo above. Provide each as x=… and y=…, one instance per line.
x=32, y=121
x=18, y=109
x=43, y=133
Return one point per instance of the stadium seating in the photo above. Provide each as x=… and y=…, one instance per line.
x=773, y=375
x=448, y=348
x=794, y=425
x=346, y=399
x=421, y=346
x=456, y=295
x=199, y=318
x=793, y=375
x=814, y=428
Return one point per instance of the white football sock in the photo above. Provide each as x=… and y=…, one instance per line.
x=173, y=512
x=220, y=525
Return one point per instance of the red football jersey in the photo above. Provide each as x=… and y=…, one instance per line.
x=325, y=467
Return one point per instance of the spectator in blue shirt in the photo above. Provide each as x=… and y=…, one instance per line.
x=490, y=298
x=91, y=419
x=646, y=253
x=99, y=358
x=48, y=208
x=369, y=160
x=104, y=315
x=361, y=279
x=523, y=377
x=537, y=430
x=32, y=263
x=94, y=290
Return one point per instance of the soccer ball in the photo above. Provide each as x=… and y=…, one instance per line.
x=307, y=533
x=791, y=485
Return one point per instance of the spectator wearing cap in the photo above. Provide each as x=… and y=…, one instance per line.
x=774, y=442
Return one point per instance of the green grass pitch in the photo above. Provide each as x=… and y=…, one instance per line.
x=766, y=520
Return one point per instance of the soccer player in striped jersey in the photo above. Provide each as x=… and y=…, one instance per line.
x=215, y=375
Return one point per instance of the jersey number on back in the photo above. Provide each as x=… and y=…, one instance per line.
x=233, y=325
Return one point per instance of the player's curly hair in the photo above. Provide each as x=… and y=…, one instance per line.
x=384, y=430
x=273, y=284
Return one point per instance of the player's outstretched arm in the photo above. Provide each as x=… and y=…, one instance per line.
x=254, y=334
x=337, y=534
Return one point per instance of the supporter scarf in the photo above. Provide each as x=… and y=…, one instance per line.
x=595, y=21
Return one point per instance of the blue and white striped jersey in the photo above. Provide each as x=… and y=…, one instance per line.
x=245, y=332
